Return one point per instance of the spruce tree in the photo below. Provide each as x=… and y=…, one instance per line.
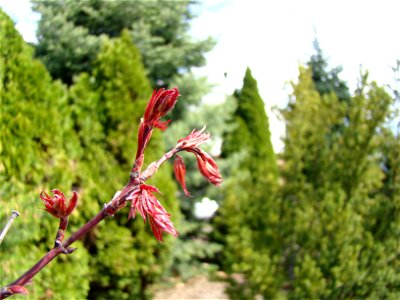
x=327, y=81
x=70, y=32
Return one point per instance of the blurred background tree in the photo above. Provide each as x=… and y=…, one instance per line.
x=327, y=80
x=39, y=150
x=126, y=259
x=249, y=210
x=69, y=35
x=82, y=139
x=324, y=224
x=330, y=195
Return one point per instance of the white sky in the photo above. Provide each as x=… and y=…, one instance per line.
x=274, y=37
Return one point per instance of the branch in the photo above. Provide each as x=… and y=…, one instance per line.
x=109, y=209
x=3, y=233
x=140, y=195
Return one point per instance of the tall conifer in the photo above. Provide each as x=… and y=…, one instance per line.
x=331, y=199
x=249, y=210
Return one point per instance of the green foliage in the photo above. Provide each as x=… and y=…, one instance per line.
x=252, y=131
x=69, y=35
x=330, y=229
x=38, y=151
x=112, y=101
x=327, y=81
x=249, y=210
x=193, y=253
x=332, y=192
x=82, y=139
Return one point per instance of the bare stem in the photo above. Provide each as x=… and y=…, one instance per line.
x=14, y=214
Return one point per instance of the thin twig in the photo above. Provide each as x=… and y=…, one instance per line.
x=3, y=233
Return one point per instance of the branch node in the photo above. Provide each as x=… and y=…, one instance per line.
x=133, y=175
x=109, y=210
x=67, y=250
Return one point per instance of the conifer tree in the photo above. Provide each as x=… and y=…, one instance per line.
x=331, y=198
x=249, y=210
x=38, y=149
x=327, y=81
x=109, y=104
x=69, y=35
x=83, y=140
x=251, y=131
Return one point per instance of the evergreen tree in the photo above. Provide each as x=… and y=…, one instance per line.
x=251, y=131
x=82, y=139
x=110, y=103
x=69, y=35
x=39, y=150
x=249, y=209
x=327, y=81
x=331, y=195
x=330, y=230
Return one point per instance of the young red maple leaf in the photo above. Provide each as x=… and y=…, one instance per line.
x=162, y=101
x=180, y=173
x=207, y=166
x=144, y=201
x=57, y=205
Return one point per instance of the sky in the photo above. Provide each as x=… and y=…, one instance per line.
x=273, y=38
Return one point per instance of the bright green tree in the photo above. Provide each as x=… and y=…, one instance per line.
x=249, y=208
x=69, y=35
x=107, y=107
x=39, y=151
x=82, y=139
x=332, y=198
x=251, y=131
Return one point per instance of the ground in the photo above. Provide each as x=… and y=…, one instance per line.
x=198, y=287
